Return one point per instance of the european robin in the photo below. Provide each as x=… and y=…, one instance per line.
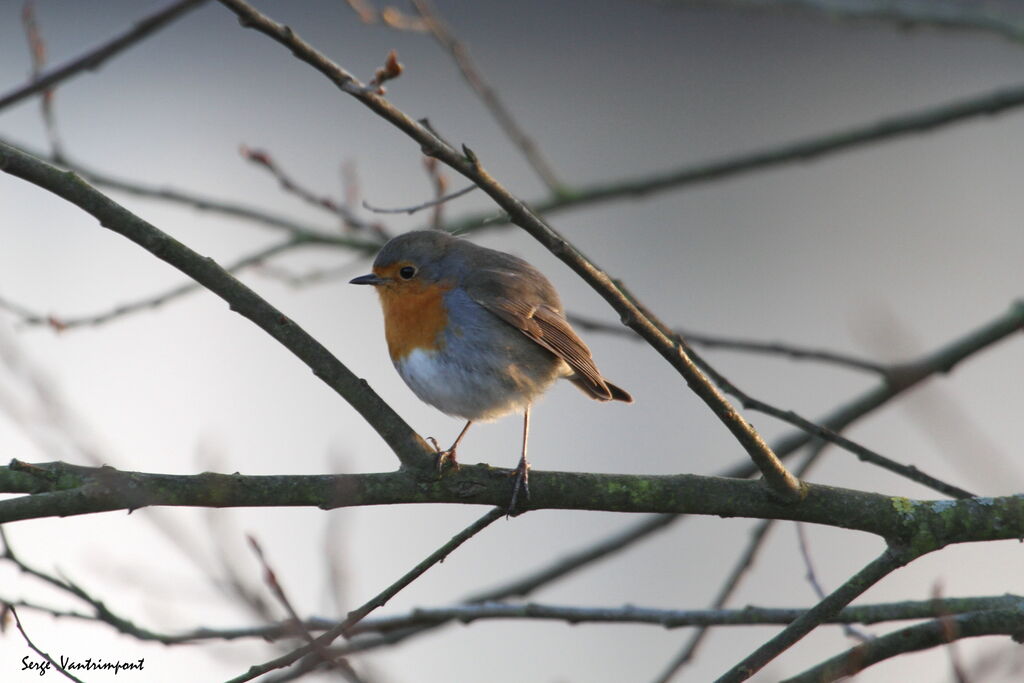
x=477, y=333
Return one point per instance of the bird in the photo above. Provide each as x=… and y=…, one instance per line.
x=477, y=333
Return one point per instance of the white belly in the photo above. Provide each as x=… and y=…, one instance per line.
x=480, y=392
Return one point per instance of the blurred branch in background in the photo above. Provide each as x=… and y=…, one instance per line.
x=43, y=81
x=953, y=15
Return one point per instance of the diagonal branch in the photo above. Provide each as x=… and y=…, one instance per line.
x=62, y=323
x=357, y=615
x=710, y=341
x=892, y=559
x=94, y=58
x=865, y=454
x=411, y=450
x=1008, y=621
x=245, y=212
x=488, y=95
x=754, y=545
x=28, y=641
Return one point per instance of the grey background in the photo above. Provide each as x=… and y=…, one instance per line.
x=884, y=251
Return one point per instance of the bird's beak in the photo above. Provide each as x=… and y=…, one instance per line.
x=369, y=279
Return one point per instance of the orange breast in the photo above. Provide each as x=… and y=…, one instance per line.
x=414, y=317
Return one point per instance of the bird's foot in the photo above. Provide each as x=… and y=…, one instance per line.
x=445, y=458
x=522, y=483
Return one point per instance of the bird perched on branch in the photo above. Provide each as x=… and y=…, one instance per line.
x=477, y=333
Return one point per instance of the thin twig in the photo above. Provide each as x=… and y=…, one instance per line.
x=32, y=645
x=953, y=16
x=62, y=323
x=892, y=559
x=263, y=159
x=90, y=61
x=356, y=615
x=365, y=245
x=419, y=207
x=270, y=579
x=812, y=578
x=101, y=611
x=37, y=48
x=423, y=618
x=923, y=120
x=915, y=638
x=793, y=351
x=667, y=618
x=739, y=571
x=487, y=94
x=819, y=431
x=314, y=276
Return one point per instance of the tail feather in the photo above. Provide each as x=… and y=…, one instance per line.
x=605, y=391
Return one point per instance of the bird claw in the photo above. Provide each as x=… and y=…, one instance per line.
x=445, y=458
x=522, y=483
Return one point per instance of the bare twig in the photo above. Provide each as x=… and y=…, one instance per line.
x=419, y=207
x=62, y=323
x=37, y=48
x=812, y=578
x=822, y=432
x=423, y=618
x=923, y=120
x=666, y=618
x=263, y=159
x=355, y=616
x=345, y=271
x=905, y=14
x=94, y=58
x=739, y=571
x=915, y=638
x=488, y=95
x=951, y=631
x=793, y=351
x=440, y=182
x=50, y=660
x=319, y=649
x=892, y=559
x=365, y=245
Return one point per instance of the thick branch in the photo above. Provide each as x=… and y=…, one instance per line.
x=59, y=489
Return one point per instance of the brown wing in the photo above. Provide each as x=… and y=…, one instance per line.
x=519, y=294
x=547, y=327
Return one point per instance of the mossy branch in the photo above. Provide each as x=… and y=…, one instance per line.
x=60, y=489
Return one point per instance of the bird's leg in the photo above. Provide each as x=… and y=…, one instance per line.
x=523, y=469
x=448, y=456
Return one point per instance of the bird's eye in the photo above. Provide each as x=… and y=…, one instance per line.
x=407, y=272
